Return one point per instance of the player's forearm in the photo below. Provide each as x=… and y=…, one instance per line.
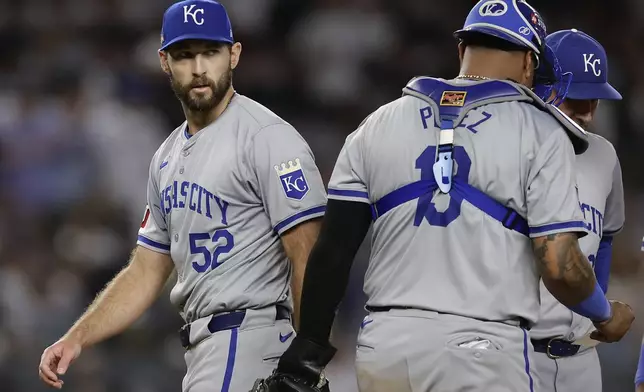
x=298, y=243
x=565, y=271
x=297, y=281
x=124, y=299
x=327, y=272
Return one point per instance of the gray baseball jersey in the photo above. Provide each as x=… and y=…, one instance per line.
x=443, y=254
x=218, y=201
x=601, y=196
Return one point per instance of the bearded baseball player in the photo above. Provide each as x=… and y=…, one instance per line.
x=564, y=360
x=233, y=197
x=466, y=182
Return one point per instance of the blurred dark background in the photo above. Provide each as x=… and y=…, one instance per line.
x=84, y=105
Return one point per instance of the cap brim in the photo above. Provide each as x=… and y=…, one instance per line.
x=593, y=91
x=204, y=37
x=497, y=32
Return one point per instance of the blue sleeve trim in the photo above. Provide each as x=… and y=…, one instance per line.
x=557, y=226
x=230, y=364
x=286, y=222
x=342, y=192
x=596, y=307
x=155, y=244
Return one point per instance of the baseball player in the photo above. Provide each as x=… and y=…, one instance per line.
x=464, y=180
x=233, y=195
x=564, y=360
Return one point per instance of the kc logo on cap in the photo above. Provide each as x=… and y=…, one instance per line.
x=192, y=12
x=584, y=57
x=590, y=61
x=196, y=19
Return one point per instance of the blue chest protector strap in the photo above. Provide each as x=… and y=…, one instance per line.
x=452, y=102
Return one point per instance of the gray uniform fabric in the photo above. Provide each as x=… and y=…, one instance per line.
x=217, y=203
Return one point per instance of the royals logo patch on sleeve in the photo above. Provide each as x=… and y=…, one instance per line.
x=292, y=179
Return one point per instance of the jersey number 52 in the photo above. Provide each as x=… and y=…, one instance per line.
x=210, y=260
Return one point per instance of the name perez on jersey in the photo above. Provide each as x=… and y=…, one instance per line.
x=194, y=197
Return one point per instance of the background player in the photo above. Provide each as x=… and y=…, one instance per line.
x=449, y=291
x=229, y=193
x=639, y=375
x=560, y=364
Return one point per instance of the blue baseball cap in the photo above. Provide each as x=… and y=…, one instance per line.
x=586, y=58
x=195, y=19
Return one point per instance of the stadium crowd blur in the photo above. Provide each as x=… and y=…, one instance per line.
x=84, y=105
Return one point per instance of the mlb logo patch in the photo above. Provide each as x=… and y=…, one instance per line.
x=292, y=179
x=453, y=98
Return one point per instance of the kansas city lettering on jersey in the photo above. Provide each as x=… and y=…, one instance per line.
x=193, y=197
x=593, y=217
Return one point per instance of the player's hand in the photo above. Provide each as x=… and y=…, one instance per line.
x=56, y=359
x=305, y=360
x=614, y=329
x=640, y=388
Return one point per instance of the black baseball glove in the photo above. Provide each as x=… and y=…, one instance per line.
x=280, y=382
x=300, y=369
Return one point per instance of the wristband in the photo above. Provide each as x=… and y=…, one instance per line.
x=603, y=261
x=596, y=307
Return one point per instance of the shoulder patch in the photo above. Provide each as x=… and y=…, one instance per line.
x=292, y=178
x=146, y=216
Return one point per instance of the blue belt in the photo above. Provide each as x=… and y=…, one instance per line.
x=555, y=348
x=507, y=216
x=224, y=321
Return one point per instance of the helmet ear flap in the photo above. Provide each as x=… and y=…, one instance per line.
x=537, y=60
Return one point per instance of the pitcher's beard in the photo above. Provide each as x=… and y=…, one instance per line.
x=202, y=102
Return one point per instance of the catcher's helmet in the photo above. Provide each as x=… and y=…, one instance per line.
x=510, y=20
x=519, y=24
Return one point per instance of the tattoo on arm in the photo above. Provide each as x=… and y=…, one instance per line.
x=564, y=267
